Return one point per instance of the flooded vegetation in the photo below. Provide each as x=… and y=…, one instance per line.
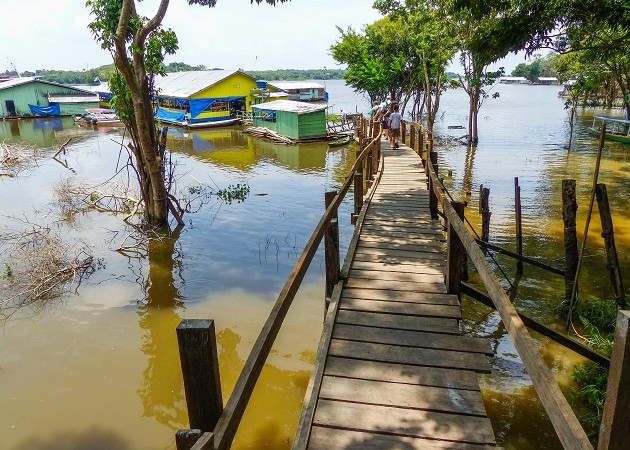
x=97, y=365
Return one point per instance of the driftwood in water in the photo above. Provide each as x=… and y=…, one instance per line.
x=267, y=133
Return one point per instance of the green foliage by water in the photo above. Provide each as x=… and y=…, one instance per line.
x=296, y=75
x=597, y=319
x=234, y=192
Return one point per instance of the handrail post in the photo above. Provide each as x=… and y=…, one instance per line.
x=331, y=248
x=369, y=175
x=200, y=368
x=421, y=146
x=613, y=432
x=358, y=195
x=412, y=138
x=403, y=131
x=455, y=254
x=433, y=200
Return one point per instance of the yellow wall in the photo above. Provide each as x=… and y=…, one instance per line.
x=236, y=85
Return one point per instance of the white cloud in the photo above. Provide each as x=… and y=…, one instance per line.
x=233, y=34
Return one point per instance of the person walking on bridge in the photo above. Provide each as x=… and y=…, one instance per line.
x=394, y=127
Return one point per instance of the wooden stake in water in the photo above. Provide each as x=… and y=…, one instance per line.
x=573, y=302
x=519, y=225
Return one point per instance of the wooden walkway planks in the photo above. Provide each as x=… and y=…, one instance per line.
x=393, y=371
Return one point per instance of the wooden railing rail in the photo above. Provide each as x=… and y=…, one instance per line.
x=223, y=434
x=566, y=424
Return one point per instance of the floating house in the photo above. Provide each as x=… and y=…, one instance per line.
x=303, y=91
x=203, y=98
x=547, y=80
x=513, y=80
x=33, y=96
x=296, y=120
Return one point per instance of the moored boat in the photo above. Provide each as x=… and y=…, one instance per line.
x=339, y=142
x=99, y=116
x=617, y=129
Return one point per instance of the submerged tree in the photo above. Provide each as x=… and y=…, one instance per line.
x=138, y=46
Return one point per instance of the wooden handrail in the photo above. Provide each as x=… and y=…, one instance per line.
x=562, y=416
x=235, y=407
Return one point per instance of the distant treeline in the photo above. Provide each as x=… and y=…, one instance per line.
x=294, y=74
x=100, y=74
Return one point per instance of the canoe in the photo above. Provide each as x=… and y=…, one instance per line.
x=339, y=142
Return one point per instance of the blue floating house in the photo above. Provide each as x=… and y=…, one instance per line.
x=205, y=98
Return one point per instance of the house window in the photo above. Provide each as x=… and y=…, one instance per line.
x=219, y=106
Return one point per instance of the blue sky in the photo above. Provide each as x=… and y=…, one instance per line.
x=234, y=34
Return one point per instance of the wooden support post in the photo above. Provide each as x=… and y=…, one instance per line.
x=569, y=208
x=200, y=368
x=376, y=157
x=358, y=195
x=609, y=240
x=371, y=129
x=455, y=256
x=420, y=148
x=403, y=131
x=412, y=138
x=369, y=173
x=433, y=200
x=613, y=432
x=519, y=225
x=331, y=249
x=429, y=142
x=185, y=439
x=484, y=202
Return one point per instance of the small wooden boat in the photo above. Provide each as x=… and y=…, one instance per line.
x=99, y=116
x=617, y=129
x=339, y=142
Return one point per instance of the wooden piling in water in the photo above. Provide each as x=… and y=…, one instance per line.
x=613, y=432
x=519, y=225
x=200, y=368
x=484, y=206
x=569, y=208
x=331, y=248
x=609, y=241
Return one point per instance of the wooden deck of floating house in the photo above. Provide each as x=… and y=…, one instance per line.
x=392, y=370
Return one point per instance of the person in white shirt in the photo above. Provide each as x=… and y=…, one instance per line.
x=394, y=127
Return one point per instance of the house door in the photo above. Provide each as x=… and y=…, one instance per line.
x=10, y=108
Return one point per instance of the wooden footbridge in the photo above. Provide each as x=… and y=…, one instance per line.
x=392, y=369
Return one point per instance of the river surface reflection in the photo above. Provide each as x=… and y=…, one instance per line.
x=99, y=368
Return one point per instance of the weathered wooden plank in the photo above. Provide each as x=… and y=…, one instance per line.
x=402, y=254
x=425, y=273
x=364, y=283
x=390, y=243
x=404, y=422
x=429, y=266
x=401, y=373
x=402, y=395
x=438, y=325
x=394, y=354
x=323, y=438
x=387, y=230
x=410, y=309
x=408, y=338
x=402, y=296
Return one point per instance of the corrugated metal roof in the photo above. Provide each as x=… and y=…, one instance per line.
x=290, y=106
x=186, y=84
x=73, y=98
x=286, y=85
x=26, y=80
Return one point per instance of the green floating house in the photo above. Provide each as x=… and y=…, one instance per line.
x=296, y=120
x=32, y=96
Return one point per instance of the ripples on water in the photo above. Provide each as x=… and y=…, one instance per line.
x=102, y=368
